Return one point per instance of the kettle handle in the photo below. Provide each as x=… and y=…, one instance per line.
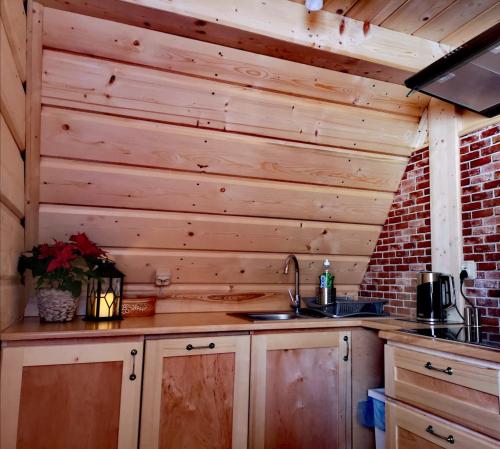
x=445, y=286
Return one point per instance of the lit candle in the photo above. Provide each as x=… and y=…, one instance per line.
x=106, y=305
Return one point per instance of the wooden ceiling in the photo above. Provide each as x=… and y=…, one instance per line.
x=451, y=22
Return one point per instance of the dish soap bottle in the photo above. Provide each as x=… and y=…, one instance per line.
x=326, y=285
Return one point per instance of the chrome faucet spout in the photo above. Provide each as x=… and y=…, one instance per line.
x=295, y=300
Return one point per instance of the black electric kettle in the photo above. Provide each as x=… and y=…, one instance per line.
x=433, y=296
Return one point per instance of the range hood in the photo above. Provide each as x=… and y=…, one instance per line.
x=469, y=76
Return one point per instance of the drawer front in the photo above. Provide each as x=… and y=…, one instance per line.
x=463, y=392
x=408, y=428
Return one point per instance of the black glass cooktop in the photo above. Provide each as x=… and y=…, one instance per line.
x=484, y=336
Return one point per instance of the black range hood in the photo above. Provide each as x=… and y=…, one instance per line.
x=468, y=76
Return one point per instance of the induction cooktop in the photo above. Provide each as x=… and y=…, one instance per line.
x=483, y=336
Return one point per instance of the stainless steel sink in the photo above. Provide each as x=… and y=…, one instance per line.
x=278, y=316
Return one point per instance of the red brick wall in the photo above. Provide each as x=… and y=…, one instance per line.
x=404, y=246
x=480, y=157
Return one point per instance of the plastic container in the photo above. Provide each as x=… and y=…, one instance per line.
x=377, y=396
x=325, y=284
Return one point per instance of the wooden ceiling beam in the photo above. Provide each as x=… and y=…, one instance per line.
x=280, y=29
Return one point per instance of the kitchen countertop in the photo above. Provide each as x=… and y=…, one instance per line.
x=436, y=344
x=181, y=323
x=31, y=329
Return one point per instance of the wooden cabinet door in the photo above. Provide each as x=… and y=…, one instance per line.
x=300, y=391
x=196, y=393
x=78, y=396
x=410, y=428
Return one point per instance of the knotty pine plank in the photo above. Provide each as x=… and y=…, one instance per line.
x=171, y=230
x=414, y=14
x=11, y=243
x=458, y=14
x=12, y=97
x=139, y=265
x=374, y=11
x=220, y=297
x=14, y=21
x=11, y=171
x=98, y=137
x=95, y=184
x=146, y=93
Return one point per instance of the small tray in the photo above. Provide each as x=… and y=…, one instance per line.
x=138, y=307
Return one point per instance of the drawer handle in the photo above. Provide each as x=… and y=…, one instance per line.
x=448, y=370
x=133, y=353
x=346, y=357
x=450, y=439
x=190, y=347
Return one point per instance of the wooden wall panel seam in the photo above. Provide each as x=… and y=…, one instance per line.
x=11, y=304
x=11, y=171
x=96, y=184
x=182, y=99
x=11, y=243
x=202, y=267
x=12, y=96
x=146, y=229
x=96, y=137
x=107, y=39
x=217, y=289
x=153, y=117
x=14, y=21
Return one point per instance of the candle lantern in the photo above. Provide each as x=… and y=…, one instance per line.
x=105, y=294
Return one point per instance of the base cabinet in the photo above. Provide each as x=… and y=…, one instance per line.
x=196, y=393
x=78, y=396
x=440, y=400
x=300, y=391
x=409, y=428
x=269, y=390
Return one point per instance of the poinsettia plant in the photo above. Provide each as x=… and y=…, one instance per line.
x=63, y=265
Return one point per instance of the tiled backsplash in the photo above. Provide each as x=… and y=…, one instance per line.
x=404, y=246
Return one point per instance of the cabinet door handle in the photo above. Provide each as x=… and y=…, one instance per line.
x=133, y=353
x=448, y=370
x=450, y=439
x=346, y=357
x=190, y=347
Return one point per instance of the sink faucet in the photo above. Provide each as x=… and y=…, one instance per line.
x=295, y=299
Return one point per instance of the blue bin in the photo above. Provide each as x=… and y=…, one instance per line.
x=377, y=397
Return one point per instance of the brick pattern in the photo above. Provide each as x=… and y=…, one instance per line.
x=480, y=168
x=404, y=246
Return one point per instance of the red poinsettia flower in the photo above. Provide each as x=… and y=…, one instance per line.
x=86, y=246
x=65, y=254
x=47, y=251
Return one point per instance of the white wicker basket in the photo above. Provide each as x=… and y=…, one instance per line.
x=56, y=305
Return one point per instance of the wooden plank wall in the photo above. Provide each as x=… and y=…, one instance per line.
x=12, y=146
x=214, y=163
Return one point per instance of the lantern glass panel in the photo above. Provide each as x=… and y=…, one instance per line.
x=104, y=295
